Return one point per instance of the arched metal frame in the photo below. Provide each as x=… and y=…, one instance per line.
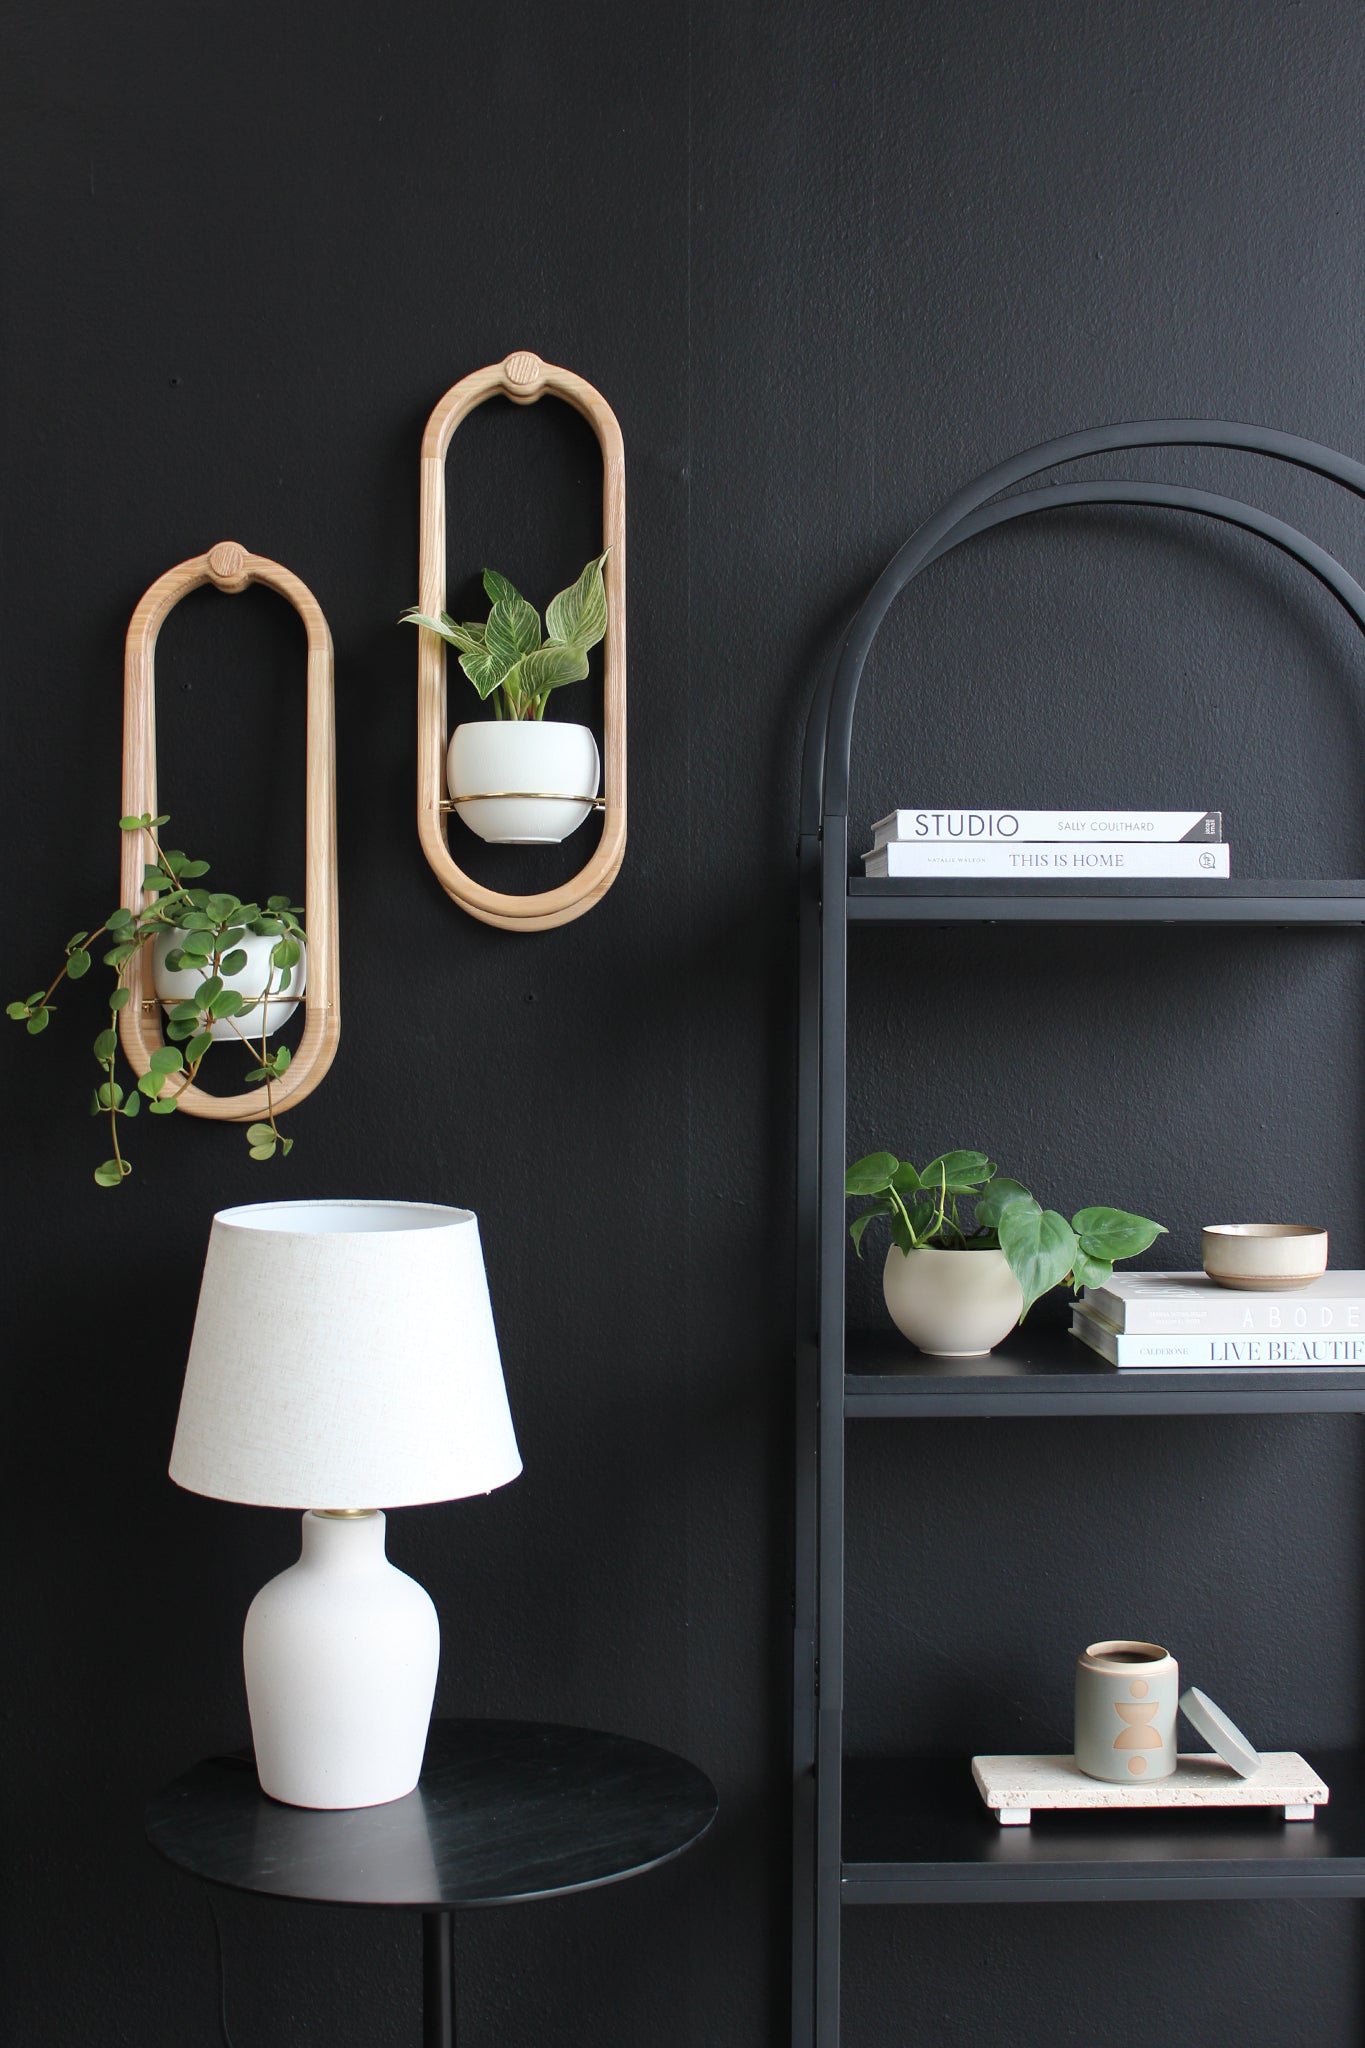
x=230, y=568
x=822, y=1053
x=523, y=378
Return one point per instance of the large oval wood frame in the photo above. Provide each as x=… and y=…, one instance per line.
x=523, y=378
x=231, y=568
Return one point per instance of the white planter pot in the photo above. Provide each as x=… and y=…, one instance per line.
x=952, y=1304
x=251, y=980
x=554, y=768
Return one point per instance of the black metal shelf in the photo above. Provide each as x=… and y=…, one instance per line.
x=1049, y=1372
x=915, y=1832
x=939, y=901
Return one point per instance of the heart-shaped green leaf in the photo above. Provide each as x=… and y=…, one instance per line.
x=871, y=1175
x=1114, y=1233
x=1040, y=1246
x=962, y=1171
x=860, y=1223
x=1088, y=1272
x=995, y=1197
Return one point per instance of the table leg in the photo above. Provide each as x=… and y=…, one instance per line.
x=438, y=1980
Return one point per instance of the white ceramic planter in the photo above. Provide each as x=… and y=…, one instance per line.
x=180, y=986
x=555, y=769
x=952, y=1304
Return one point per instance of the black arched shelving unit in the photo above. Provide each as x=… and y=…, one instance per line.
x=903, y=1832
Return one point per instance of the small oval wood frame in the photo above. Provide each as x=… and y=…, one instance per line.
x=231, y=568
x=523, y=378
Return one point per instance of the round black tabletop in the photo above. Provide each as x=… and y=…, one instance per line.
x=504, y=1811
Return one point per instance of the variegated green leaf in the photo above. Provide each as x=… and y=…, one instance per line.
x=484, y=669
x=466, y=636
x=498, y=587
x=513, y=629
x=578, y=616
x=549, y=668
x=413, y=617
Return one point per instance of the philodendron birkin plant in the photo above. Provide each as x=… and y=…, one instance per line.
x=229, y=964
x=520, y=778
x=1017, y=1249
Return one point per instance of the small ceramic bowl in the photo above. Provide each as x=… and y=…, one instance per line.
x=1264, y=1255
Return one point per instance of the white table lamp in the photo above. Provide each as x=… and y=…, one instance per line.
x=343, y=1360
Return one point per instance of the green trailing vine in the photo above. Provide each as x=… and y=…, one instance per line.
x=507, y=657
x=210, y=928
x=1042, y=1248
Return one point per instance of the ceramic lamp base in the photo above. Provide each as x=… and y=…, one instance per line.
x=340, y=1654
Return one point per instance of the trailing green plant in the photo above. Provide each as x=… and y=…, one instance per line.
x=506, y=656
x=1043, y=1249
x=209, y=928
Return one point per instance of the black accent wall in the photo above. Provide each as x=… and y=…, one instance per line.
x=826, y=263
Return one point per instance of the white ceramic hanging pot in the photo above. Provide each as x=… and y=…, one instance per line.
x=181, y=985
x=531, y=781
x=952, y=1304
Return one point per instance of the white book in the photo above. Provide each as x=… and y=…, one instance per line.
x=1214, y=1352
x=1040, y=863
x=1142, y=826
x=1173, y=1304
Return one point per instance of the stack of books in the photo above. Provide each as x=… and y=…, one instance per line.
x=1175, y=1322
x=1044, y=845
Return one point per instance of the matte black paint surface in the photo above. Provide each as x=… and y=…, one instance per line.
x=826, y=263
x=504, y=1811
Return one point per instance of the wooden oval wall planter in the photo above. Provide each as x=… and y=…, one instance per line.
x=523, y=378
x=230, y=568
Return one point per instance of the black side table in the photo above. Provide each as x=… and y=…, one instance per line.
x=505, y=1811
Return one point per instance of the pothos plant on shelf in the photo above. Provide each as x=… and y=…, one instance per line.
x=1014, y=1249
x=206, y=938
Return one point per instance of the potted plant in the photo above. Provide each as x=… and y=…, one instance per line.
x=516, y=778
x=955, y=1291
x=222, y=968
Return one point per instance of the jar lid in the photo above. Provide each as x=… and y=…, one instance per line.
x=1219, y=1732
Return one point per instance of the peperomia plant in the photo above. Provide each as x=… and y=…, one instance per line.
x=506, y=657
x=208, y=929
x=1042, y=1248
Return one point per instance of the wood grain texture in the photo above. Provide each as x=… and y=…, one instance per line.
x=523, y=378
x=231, y=568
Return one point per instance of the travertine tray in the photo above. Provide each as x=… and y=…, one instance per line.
x=1015, y=1786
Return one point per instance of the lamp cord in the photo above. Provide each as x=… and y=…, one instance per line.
x=222, y=1970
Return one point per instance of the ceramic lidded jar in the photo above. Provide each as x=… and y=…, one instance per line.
x=1127, y=1695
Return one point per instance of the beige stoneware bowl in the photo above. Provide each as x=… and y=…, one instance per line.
x=1264, y=1255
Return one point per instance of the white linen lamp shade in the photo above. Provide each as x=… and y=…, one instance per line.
x=343, y=1360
